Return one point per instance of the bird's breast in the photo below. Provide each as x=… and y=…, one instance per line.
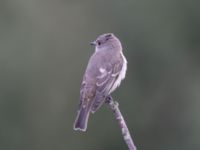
x=122, y=74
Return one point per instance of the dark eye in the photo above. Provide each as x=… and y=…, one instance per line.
x=99, y=43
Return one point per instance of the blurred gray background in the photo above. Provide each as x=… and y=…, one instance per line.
x=44, y=49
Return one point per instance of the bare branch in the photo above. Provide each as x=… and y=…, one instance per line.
x=114, y=106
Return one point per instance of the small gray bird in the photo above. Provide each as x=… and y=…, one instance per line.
x=105, y=70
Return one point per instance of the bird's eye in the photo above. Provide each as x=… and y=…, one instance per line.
x=99, y=43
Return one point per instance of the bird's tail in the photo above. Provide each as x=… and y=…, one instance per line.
x=82, y=119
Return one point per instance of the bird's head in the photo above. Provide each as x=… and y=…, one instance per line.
x=107, y=40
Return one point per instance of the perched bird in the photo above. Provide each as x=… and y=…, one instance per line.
x=105, y=70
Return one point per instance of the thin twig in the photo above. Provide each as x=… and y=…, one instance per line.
x=125, y=132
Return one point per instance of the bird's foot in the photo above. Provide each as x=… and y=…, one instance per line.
x=109, y=100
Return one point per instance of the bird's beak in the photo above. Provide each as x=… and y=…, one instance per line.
x=93, y=43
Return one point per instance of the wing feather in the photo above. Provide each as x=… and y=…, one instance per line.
x=105, y=83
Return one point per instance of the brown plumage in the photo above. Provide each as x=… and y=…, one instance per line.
x=106, y=68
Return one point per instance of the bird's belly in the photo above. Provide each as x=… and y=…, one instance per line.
x=121, y=75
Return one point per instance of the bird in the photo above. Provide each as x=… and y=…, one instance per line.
x=105, y=70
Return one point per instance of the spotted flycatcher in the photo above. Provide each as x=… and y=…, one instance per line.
x=105, y=70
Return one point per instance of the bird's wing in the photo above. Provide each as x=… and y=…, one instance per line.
x=105, y=81
x=87, y=93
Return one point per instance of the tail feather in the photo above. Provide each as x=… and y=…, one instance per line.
x=82, y=119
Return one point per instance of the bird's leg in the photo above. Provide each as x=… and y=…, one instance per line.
x=108, y=99
x=114, y=104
